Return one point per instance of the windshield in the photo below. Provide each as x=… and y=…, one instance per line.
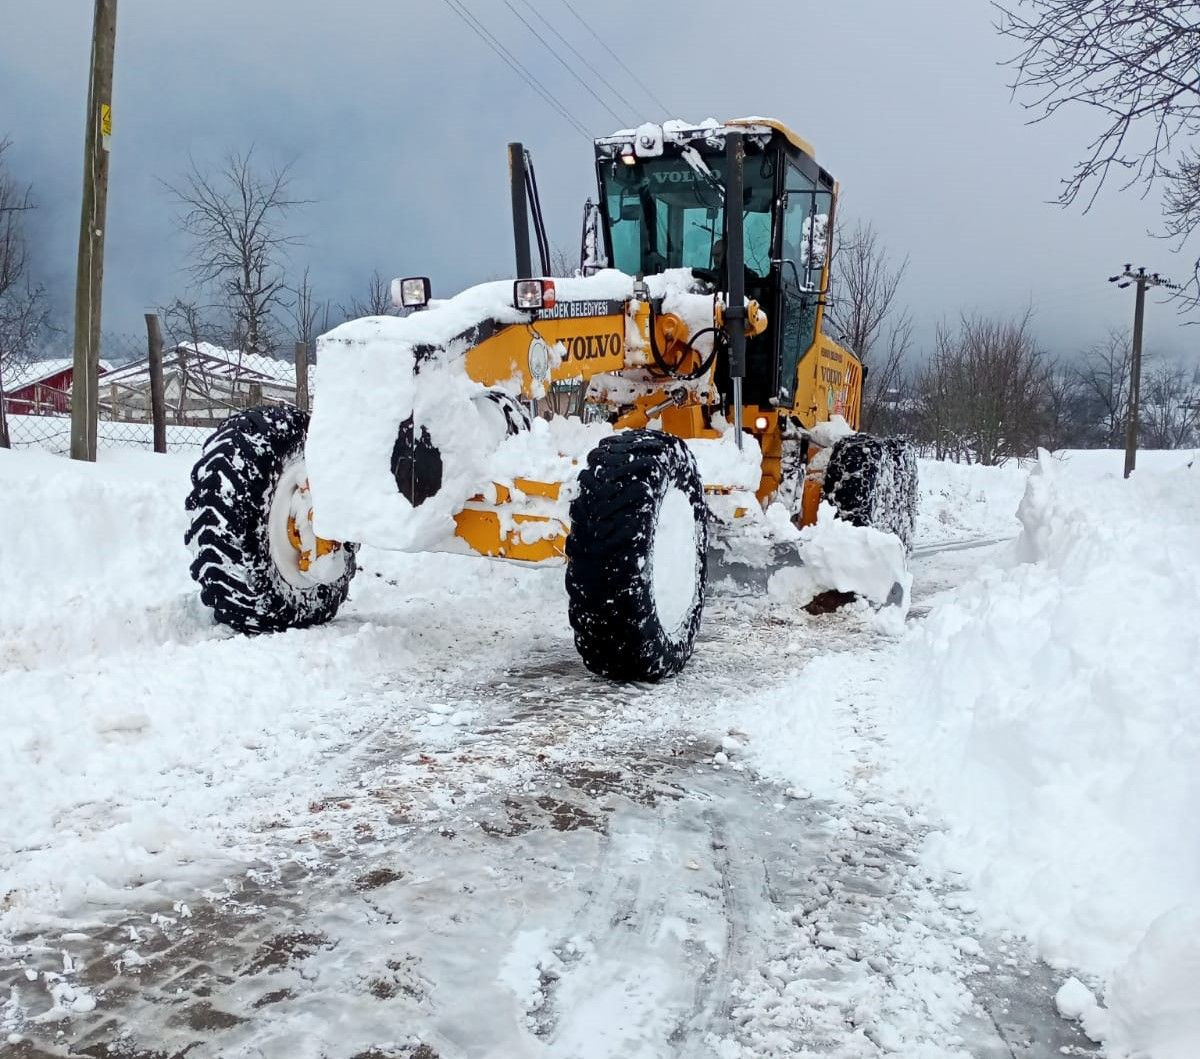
x=665, y=214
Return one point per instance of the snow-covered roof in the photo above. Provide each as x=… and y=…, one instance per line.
x=216, y=362
x=36, y=371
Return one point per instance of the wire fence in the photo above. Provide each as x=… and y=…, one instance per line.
x=202, y=387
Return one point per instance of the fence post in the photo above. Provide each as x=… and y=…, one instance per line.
x=302, y=376
x=255, y=396
x=158, y=400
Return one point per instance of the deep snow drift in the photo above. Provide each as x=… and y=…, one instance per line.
x=1049, y=712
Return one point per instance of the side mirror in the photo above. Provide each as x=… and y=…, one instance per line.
x=591, y=244
x=816, y=241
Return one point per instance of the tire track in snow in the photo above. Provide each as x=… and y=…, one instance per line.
x=562, y=873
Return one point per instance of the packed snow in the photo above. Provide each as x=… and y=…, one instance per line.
x=1016, y=760
x=1048, y=713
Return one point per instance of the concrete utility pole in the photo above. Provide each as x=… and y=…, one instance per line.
x=1142, y=281
x=89, y=276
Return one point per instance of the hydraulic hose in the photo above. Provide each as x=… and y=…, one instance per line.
x=673, y=371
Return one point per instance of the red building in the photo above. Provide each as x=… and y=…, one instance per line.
x=41, y=387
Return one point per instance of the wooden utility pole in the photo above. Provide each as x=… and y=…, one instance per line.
x=158, y=400
x=302, y=376
x=89, y=276
x=1142, y=280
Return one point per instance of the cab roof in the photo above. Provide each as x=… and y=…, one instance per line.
x=678, y=131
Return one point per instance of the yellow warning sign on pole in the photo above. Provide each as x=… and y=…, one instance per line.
x=105, y=120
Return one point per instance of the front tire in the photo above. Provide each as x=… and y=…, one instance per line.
x=637, y=557
x=873, y=482
x=246, y=491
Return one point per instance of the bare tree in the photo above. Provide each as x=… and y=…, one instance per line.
x=186, y=322
x=306, y=311
x=236, y=220
x=981, y=397
x=1104, y=381
x=563, y=262
x=377, y=300
x=1170, y=409
x=1131, y=62
x=23, y=309
x=1065, y=423
x=864, y=313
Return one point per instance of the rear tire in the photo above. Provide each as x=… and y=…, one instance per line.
x=637, y=557
x=244, y=572
x=873, y=482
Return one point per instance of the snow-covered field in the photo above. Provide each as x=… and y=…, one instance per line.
x=823, y=838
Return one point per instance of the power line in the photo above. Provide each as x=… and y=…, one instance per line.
x=481, y=31
x=620, y=62
x=582, y=58
x=562, y=62
x=515, y=65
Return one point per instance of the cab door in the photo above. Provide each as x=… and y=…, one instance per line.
x=807, y=214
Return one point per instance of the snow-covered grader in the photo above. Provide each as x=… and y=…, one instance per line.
x=709, y=411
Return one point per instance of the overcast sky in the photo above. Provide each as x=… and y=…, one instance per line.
x=397, y=116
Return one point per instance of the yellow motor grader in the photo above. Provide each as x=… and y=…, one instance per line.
x=677, y=397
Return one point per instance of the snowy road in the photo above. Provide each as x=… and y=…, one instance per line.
x=508, y=857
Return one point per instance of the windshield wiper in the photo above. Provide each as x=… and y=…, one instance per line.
x=690, y=155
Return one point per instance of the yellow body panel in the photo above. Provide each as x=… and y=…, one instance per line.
x=828, y=383
x=481, y=529
x=586, y=344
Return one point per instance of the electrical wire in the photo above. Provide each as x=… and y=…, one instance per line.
x=582, y=58
x=562, y=62
x=620, y=62
x=515, y=65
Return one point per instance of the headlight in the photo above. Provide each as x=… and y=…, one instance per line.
x=410, y=293
x=534, y=294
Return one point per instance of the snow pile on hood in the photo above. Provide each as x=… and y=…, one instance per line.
x=368, y=387
x=1051, y=714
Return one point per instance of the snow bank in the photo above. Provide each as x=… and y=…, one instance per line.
x=1100, y=463
x=1050, y=713
x=94, y=554
x=959, y=501
x=136, y=732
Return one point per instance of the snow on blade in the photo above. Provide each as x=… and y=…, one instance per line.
x=839, y=556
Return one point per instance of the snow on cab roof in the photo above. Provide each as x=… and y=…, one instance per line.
x=678, y=129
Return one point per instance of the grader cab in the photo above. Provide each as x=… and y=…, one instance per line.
x=703, y=391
